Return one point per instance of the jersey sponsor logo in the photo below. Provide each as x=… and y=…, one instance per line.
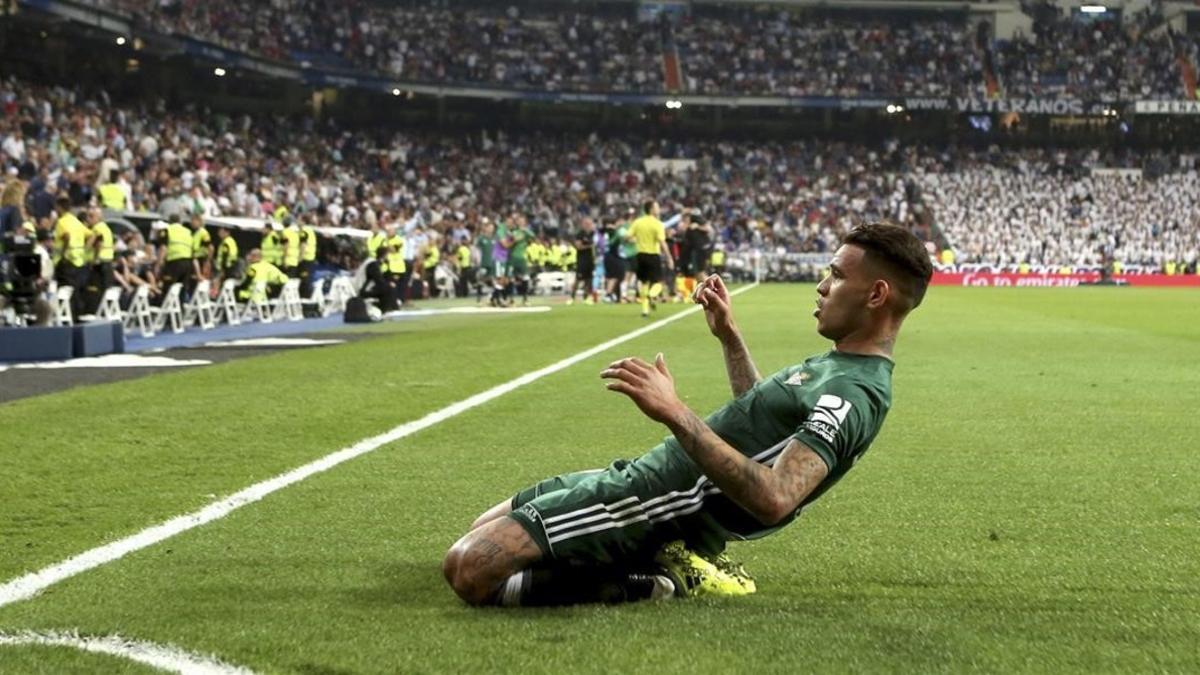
x=827, y=416
x=798, y=378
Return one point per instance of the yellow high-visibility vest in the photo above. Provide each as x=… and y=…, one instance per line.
x=395, y=257
x=227, y=254
x=201, y=240
x=179, y=242
x=112, y=196
x=310, y=243
x=291, y=247
x=75, y=233
x=102, y=231
x=272, y=251
x=376, y=240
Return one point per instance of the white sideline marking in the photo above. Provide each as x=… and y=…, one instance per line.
x=408, y=313
x=29, y=585
x=163, y=657
x=108, y=361
x=274, y=342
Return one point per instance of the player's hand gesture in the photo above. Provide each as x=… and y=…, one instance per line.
x=650, y=386
x=714, y=296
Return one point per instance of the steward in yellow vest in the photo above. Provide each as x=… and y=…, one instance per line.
x=71, y=238
x=718, y=261
x=228, y=262
x=112, y=197
x=100, y=249
x=261, y=278
x=308, y=258
x=174, y=253
x=291, y=249
x=465, y=273
x=396, y=267
x=202, y=247
x=379, y=237
x=272, y=244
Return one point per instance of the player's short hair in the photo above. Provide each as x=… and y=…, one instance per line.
x=899, y=254
x=647, y=206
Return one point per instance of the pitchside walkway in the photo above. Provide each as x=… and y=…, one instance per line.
x=196, y=338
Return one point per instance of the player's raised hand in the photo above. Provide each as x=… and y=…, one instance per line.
x=650, y=386
x=714, y=297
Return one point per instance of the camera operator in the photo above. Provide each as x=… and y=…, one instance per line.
x=25, y=267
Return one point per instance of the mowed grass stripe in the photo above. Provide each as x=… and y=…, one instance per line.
x=92, y=464
x=896, y=569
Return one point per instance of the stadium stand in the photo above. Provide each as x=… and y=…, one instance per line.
x=1042, y=206
x=716, y=50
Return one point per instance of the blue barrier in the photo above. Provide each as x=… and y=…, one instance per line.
x=36, y=344
x=94, y=339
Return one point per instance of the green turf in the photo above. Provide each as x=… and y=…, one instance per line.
x=1031, y=504
x=66, y=661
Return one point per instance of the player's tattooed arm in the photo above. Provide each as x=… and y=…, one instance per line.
x=718, y=312
x=743, y=374
x=769, y=494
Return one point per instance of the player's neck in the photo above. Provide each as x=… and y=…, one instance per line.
x=877, y=341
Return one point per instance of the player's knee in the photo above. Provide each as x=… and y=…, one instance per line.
x=467, y=573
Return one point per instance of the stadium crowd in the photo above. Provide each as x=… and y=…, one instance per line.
x=1012, y=218
x=440, y=194
x=762, y=51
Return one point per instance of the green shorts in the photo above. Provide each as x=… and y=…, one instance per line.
x=518, y=268
x=624, y=513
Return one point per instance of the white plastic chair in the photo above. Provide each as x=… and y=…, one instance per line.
x=444, y=282
x=340, y=290
x=287, y=305
x=139, y=313
x=200, y=309
x=551, y=282
x=257, y=307
x=316, y=299
x=227, y=305
x=110, y=305
x=62, y=306
x=171, y=311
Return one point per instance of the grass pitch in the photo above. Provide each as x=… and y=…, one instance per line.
x=1030, y=505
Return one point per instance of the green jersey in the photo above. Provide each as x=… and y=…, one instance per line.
x=834, y=403
x=628, y=247
x=485, y=244
x=520, y=241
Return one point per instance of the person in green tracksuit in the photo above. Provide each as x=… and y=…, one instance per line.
x=485, y=243
x=657, y=526
x=517, y=270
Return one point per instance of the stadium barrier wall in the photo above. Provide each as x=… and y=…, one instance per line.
x=1002, y=279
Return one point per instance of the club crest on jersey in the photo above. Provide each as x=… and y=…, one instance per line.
x=827, y=416
x=798, y=378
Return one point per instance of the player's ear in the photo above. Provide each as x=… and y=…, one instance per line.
x=881, y=292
